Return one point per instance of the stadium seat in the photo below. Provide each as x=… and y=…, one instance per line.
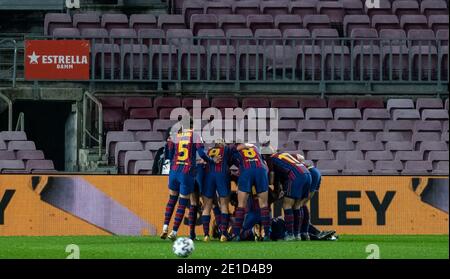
x=376, y=114
x=383, y=155
x=143, y=21
x=283, y=103
x=268, y=37
x=347, y=114
x=395, y=53
x=286, y=21
x=401, y=145
x=301, y=136
x=203, y=21
x=358, y=167
x=145, y=136
x=408, y=156
x=7, y=136
x=405, y=7
x=340, y=125
x=312, y=22
x=360, y=136
x=311, y=145
x=274, y=7
x=390, y=136
x=333, y=9
x=311, y=125
x=434, y=156
x=110, y=21
x=66, y=33
x=162, y=124
x=345, y=156
x=134, y=125
x=131, y=157
x=112, y=138
x=384, y=21
x=411, y=22
x=12, y=166
x=137, y=102
x=40, y=166
x=26, y=155
x=218, y=8
x=56, y=20
x=306, y=103
x=322, y=37
x=154, y=146
x=8, y=155
x=405, y=114
x=120, y=151
x=330, y=167
x=143, y=167
x=289, y=113
x=320, y=155
x=353, y=7
x=190, y=8
x=383, y=9
x=167, y=22
x=387, y=167
x=303, y=8
x=259, y=22
x=438, y=22
x=338, y=145
x=417, y=167
x=21, y=145
x=231, y=21
x=331, y=136
x=399, y=104
x=369, y=103
x=370, y=146
x=318, y=113
x=86, y=20
x=427, y=126
x=355, y=21
x=369, y=126
x=442, y=168
x=435, y=114
x=245, y=8
x=433, y=7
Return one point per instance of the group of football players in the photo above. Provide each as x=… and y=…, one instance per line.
x=263, y=176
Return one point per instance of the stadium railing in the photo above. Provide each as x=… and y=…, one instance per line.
x=8, y=60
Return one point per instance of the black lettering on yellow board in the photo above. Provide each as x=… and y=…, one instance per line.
x=382, y=207
x=343, y=207
x=6, y=198
x=314, y=209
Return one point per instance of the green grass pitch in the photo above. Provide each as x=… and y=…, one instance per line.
x=116, y=247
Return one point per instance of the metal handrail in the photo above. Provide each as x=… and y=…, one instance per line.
x=14, y=69
x=10, y=110
x=20, y=125
x=89, y=97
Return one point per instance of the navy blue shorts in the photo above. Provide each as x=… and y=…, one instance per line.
x=181, y=182
x=216, y=182
x=253, y=177
x=299, y=187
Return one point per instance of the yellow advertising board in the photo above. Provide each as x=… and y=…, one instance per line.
x=135, y=205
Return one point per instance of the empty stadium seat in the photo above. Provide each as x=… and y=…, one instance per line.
x=358, y=167
x=303, y=8
x=143, y=21
x=56, y=20
x=167, y=22
x=131, y=157
x=112, y=138
x=274, y=8
x=330, y=167
x=312, y=22
x=340, y=125
x=12, y=166
x=355, y=21
x=7, y=136
x=260, y=22
x=433, y=7
x=405, y=7
x=387, y=167
x=110, y=21
x=320, y=155
x=340, y=145
x=86, y=20
x=286, y=21
x=360, y=136
x=234, y=21
x=40, y=166
x=143, y=167
x=369, y=125
x=333, y=9
x=376, y=114
x=250, y=7
x=120, y=151
x=417, y=167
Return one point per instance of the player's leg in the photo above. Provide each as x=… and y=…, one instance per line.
x=223, y=191
x=250, y=227
x=262, y=187
x=244, y=188
x=170, y=206
x=225, y=218
x=306, y=196
x=206, y=217
x=186, y=188
x=193, y=210
x=288, y=204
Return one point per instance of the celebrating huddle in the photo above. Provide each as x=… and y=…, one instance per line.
x=263, y=176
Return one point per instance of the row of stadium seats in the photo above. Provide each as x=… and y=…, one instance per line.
x=387, y=146
x=225, y=21
x=117, y=109
x=303, y=7
x=19, y=155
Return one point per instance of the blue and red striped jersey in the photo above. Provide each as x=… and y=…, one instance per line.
x=288, y=165
x=225, y=152
x=183, y=150
x=248, y=158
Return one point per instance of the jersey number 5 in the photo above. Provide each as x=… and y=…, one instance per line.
x=183, y=151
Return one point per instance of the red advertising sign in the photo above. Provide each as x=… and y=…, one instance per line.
x=57, y=60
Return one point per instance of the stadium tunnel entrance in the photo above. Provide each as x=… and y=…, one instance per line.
x=50, y=124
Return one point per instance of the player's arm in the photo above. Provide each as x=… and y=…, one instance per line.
x=169, y=150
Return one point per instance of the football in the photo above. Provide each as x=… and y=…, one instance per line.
x=183, y=247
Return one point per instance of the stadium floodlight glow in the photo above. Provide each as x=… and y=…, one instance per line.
x=235, y=125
